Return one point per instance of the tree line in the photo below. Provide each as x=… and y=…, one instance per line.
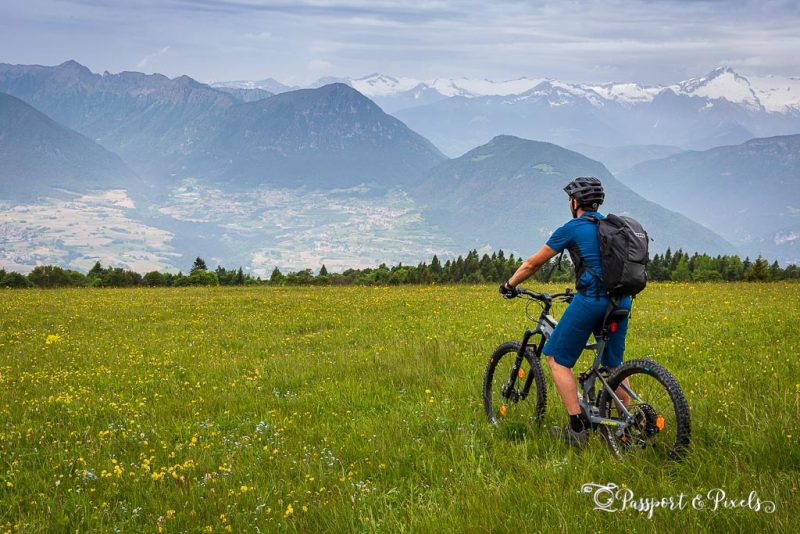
x=470, y=269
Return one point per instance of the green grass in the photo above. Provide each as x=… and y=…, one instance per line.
x=205, y=409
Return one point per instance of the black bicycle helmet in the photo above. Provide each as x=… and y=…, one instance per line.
x=588, y=191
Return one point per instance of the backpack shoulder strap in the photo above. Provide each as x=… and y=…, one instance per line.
x=591, y=271
x=557, y=265
x=595, y=220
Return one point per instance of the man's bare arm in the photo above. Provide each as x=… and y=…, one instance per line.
x=531, y=265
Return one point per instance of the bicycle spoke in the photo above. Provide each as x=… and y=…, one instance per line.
x=513, y=404
x=658, y=424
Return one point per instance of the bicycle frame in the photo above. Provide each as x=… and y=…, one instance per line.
x=587, y=380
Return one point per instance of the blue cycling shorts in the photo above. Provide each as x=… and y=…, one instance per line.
x=584, y=316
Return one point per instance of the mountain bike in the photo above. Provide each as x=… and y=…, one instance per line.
x=638, y=407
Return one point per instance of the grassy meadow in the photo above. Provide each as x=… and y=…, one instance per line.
x=359, y=409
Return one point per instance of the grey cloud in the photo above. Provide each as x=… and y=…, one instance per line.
x=596, y=40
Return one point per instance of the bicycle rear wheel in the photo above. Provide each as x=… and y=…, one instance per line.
x=661, y=427
x=513, y=404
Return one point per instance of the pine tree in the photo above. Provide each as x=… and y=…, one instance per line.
x=198, y=265
x=693, y=261
x=758, y=271
x=458, y=269
x=436, y=268
x=775, y=271
x=222, y=275
x=487, y=269
x=734, y=269
x=681, y=273
x=240, y=277
x=676, y=258
x=323, y=271
x=277, y=277
x=96, y=271
x=472, y=264
x=655, y=270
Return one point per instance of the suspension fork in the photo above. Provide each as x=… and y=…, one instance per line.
x=518, y=364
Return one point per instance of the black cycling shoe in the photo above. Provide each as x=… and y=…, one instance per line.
x=570, y=437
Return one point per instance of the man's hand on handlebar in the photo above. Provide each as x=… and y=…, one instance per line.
x=508, y=291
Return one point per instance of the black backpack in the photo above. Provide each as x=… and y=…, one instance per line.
x=624, y=254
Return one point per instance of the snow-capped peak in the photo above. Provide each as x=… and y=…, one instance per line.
x=472, y=88
x=777, y=94
x=382, y=85
x=722, y=82
x=560, y=93
x=271, y=85
x=626, y=93
x=770, y=93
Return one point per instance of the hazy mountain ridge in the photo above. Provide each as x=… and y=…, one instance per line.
x=327, y=137
x=141, y=117
x=41, y=157
x=557, y=113
x=247, y=94
x=509, y=194
x=167, y=129
x=622, y=158
x=748, y=193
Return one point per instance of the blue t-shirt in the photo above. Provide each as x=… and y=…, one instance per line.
x=579, y=236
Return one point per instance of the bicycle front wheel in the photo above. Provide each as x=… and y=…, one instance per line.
x=660, y=425
x=513, y=402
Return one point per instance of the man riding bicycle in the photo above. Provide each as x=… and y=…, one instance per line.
x=586, y=312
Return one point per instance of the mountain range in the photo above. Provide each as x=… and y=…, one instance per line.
x=722, y=107
x=747, y=193
x=146, y=171
x=771, y=93
x=510, y=192
x=166, y=128
x=143, y=118
x=621, y=158
x=327, y=137
x=718, y=109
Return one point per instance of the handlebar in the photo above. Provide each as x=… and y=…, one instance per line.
x=566, y=296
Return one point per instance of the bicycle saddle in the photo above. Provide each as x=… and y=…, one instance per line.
x=616, y=316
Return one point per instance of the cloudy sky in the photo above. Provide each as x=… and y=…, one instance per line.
x=649, y=41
